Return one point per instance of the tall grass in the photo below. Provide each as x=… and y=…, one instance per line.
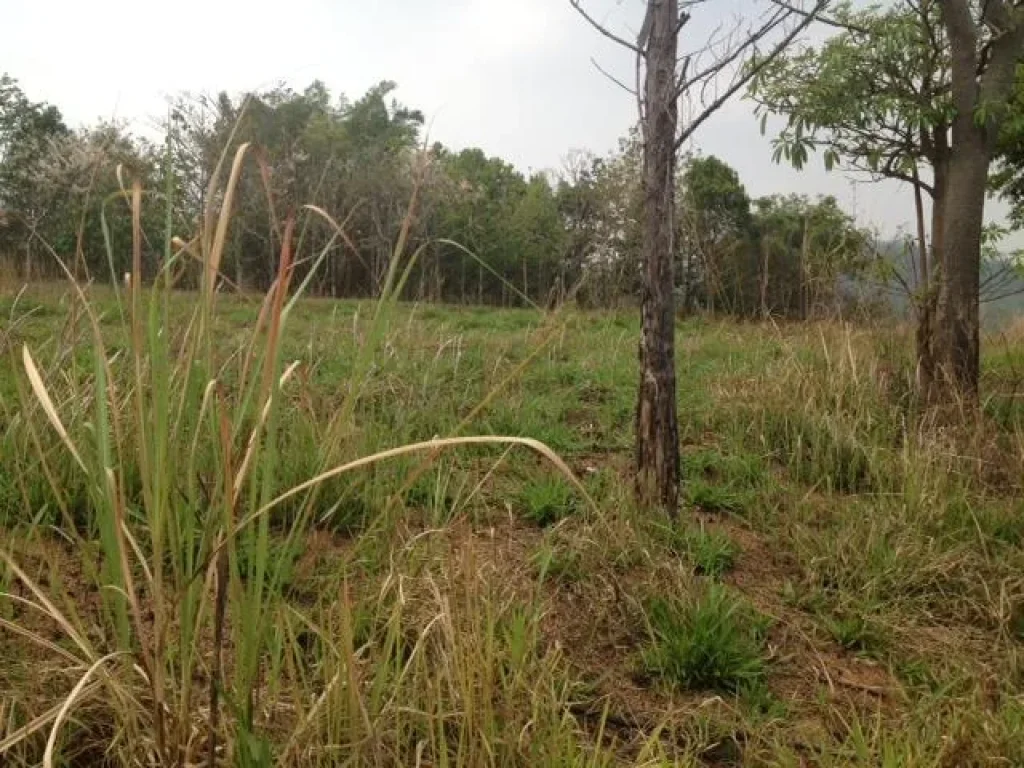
x=164, y=457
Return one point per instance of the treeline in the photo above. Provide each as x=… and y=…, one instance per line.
x=483, y=231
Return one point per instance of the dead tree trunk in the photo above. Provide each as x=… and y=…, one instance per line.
x=666, y=79
x=657, y=429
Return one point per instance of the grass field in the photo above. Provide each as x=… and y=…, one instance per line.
x=845, y=585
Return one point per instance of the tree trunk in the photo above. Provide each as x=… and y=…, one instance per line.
x=764, y=282
x=685, y=283
x=657, y=429
x=437, y=274
x=974, y=135
x=961, y=212
x=957, y=338
x=802, y=297
x=925, y=362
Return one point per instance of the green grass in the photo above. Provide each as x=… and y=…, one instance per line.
x=712, y=553
x=855, y=632
x=713, y=641
x=470, y=607
x=546, y=500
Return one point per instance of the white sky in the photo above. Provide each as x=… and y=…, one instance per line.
x=511, y=76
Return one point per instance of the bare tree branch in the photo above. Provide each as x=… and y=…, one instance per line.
x=637, y=49
x=1001, y=282
x=731, y=56
x=751, y=72
x=606, y=73
x=830, y=21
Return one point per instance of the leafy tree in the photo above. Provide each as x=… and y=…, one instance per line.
x=577, y=199
x=934, y=80
x=1008, y=176
x=717, y=238
x=27, y=130
x=346, y=157
x=59, y=186
x=537, y=234
x=478, y=217
x=806, y=250
x=609, y=264
x=875, y=98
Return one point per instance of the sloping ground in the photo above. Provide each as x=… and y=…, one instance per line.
x=844, y=587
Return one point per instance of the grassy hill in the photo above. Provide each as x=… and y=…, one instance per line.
x=843, y=588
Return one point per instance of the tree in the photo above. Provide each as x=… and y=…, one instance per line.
x=875, y=98
x=59, y=185
x=349, y=158
x=479, y=216
x=27, y=131
x=986, y=43
x=717, y=235
x=579, y=208
x=807, y=249
x=537, y=234
x=1008, y=176
x=611, y=268
x=930, y=80
x=667, y=79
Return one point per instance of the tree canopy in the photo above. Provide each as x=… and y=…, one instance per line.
x=489, y=233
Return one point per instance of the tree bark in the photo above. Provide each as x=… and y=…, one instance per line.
x=957, y=339
x=526, y=283
x=802, y=298
x=764, y=282
x=925, y=362
x=974, y=135
x=657, y=430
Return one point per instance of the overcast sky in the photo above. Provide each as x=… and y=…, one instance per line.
x=514, y=77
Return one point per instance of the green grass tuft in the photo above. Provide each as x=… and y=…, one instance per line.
x=718, y=498
x=715, y=641
x=856, y=632
x=546, y=500
x=711, y=552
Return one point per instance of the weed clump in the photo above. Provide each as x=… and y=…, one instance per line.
x=855, y=632
x=545, y=501
x=711, y=552
x=714, y=642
